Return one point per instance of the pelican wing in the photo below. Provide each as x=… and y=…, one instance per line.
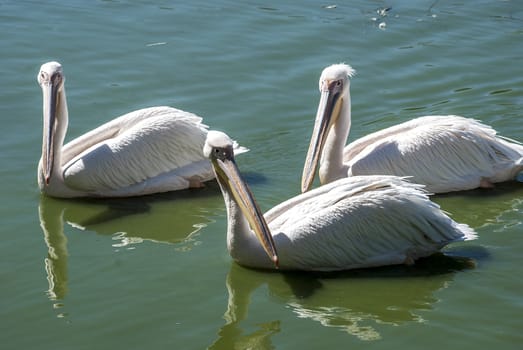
x=135, y=148
x=465, y=151
x=360, y=221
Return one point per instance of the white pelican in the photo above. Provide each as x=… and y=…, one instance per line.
x=444, y=153
x=151, y=150
x=356, y=222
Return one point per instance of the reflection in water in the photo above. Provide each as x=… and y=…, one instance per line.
x=51, y=223
x=173, y=218
x=481, y=207
x=240, y=284
x=358, y=302
x=164, y=218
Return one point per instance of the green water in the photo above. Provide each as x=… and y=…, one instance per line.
x=154, y=272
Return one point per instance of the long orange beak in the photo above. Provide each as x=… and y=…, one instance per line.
x=328, y=112
x=229, y=175
x=50, y=93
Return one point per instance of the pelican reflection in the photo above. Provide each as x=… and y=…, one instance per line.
x=172, y=218
x=163, y=218
x=359, y=302
x=51, y=222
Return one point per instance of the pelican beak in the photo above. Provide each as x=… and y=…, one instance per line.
x=229, y=176
x=50, y=93
x=327, y=114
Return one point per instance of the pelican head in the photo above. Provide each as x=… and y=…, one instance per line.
x=334, y=87
x=51, y=80
x=219, y=149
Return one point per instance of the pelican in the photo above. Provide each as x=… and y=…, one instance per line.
x=445, y=153
x=356, y=222
x=151, y=150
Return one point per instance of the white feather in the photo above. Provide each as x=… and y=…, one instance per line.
x=446, y=153
x=361, y=221
x=150, y=142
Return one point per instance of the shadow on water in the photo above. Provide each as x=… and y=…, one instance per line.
x=358, y=302
x=173, y=218
x=174, y=214
x=481, y=206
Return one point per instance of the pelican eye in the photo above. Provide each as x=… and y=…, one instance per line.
x=57, y=77
x=336, y=84
x=218, y=153
x=222, y=153
x=42, y=76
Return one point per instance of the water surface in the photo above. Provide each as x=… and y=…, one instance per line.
x=154, y=272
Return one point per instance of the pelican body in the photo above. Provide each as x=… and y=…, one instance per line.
x=356, y=222
x=444, y=153
x=150, y=150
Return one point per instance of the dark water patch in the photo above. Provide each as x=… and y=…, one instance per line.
x=410, y=109
x=440, y=103
x=462, y=89
x=499, y=92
